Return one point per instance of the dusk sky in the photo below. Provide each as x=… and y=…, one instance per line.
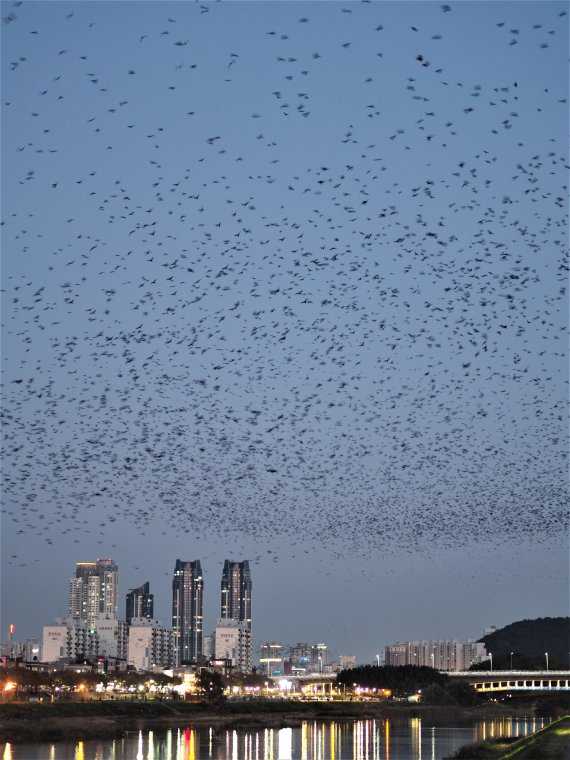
x=287, y=282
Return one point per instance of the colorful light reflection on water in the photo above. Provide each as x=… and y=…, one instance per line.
x=383, y=739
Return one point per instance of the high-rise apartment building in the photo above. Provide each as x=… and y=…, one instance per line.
x=140, y=603
x=94, y=590
x=236, y=592
x=187, y=612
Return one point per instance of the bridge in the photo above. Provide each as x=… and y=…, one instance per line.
x=488, y=681
x=483, y=681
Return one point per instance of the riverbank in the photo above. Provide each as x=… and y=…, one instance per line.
x=107, y=719
x=550, y=743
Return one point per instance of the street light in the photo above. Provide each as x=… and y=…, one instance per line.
x=546, y=655
x=491, y=658
x=511, y=660
x=377, y=660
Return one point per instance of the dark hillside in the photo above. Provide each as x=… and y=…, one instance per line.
x=532, y=638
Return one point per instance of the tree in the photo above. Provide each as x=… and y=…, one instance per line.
x=212, y=687
x=401, y=680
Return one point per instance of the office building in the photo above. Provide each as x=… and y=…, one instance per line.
x=140, y=603
x=187, y=612
x=94, y=590
x=233, y=642
x=149, y=645
x=236, y=592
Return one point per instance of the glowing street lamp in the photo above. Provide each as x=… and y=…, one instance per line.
x=8, y=687
x=511, y=660
x=546, y=655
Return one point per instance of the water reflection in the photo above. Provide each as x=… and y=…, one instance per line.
x=382, y=739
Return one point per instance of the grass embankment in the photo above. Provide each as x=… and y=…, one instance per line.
x=550, y=743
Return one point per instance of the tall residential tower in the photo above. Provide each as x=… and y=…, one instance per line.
x=236, y=591
x=94, y=590
x=187, y=612
x=140, y=603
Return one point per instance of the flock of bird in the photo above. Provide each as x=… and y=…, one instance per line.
x=271, y=270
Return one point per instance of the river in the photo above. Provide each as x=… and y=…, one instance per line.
x=380, y=739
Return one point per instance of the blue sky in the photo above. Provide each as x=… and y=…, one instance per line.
x=287, y=281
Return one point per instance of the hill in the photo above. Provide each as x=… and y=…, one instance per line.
x=531, y=639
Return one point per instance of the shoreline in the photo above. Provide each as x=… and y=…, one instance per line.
x=20, y=723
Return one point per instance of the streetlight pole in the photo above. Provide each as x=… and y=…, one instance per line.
x=546, y=655
x=491, y=658
x=511, y=660
x=377, y=660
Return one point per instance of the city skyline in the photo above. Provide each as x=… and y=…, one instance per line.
x=288, y=281
x=188, y=586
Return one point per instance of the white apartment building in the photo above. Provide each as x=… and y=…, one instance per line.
x=68, y=638
x=233, y=642
x=113, y=636
x=150, y=645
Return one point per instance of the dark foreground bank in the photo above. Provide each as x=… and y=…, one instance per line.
x=550, y=743
x=107, y=719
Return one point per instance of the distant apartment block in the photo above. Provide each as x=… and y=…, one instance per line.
x=271, y=658
x=346, y=662
x=441, y=654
